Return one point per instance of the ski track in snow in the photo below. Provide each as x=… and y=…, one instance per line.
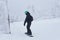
x=48, y=29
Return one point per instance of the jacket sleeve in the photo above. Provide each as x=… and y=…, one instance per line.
x=25, y=21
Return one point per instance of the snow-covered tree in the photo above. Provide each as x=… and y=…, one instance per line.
x=4, y=23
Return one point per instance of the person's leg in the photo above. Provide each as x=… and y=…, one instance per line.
x=28, y=29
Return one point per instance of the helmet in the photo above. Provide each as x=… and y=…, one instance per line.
x=26, y=12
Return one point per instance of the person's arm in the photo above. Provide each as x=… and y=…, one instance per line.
x=24, y=22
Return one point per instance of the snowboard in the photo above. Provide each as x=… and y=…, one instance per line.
x=29, y=35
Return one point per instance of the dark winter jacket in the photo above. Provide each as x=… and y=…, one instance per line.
x=29, y=18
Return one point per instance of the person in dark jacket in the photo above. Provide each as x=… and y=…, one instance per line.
x=28, y=20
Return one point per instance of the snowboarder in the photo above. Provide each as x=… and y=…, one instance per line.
x=28, y=20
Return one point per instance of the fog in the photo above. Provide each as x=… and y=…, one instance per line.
x=39, y=9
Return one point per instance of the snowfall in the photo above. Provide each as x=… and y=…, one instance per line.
x=42, y=29
x=47, y=29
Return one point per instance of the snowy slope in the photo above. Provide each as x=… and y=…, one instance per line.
x=48, y=29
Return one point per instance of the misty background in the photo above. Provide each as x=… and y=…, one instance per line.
x=39, y=9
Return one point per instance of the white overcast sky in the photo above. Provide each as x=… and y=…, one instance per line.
x=40, y=7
